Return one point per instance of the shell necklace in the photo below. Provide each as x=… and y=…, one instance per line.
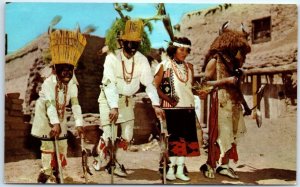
x=127, y=76
x=180, y=74
x=61, y=105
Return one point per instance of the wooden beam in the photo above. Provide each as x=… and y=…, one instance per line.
x=258, y=86
x=292, y=67
x=202, y=111
x=272, y=70
x=254, y=89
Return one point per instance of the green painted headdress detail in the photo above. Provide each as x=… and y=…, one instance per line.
x=125, y=28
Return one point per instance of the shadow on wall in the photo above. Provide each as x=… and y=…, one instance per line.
x=89, y=74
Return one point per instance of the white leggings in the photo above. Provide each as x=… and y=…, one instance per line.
x=47, y=147
x=126, y=127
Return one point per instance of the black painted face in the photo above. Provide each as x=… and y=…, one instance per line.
x=64, y=72
x=131, y=47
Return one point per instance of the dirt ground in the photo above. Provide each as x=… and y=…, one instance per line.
x=267, y=155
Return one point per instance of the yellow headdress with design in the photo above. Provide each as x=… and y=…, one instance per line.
x=66, y=46
x=133, y=30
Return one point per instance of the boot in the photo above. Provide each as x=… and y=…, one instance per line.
x=227, y=171
x=207, y=171
x=179, y=173
x=171, y=173
x=119, y=168
x=67, y=177
x=42, y=178
x=100, y=156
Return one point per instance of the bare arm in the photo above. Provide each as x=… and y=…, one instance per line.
x=210, y=71
x=233, y=80
x=210, y=78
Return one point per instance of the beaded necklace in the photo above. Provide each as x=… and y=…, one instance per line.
x=61, y=107
x=179, y=74
x=127, y=76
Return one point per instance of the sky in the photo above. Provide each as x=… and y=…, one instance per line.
x=25, y=21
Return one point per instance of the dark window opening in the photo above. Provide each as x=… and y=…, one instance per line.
x=261, y=30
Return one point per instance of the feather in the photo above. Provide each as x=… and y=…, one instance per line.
x=55, y=21
x=224, y=26
x=89, y=29
x=243, y=28
x=127, y=7
x=77, y=28
x=168, y=26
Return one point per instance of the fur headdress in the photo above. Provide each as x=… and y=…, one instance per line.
x=229, y=41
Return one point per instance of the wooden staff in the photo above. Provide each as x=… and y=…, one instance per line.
x=85, y=168
x=61, y=177
x=164, y=149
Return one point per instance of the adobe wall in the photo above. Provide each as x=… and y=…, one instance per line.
x=19, y=144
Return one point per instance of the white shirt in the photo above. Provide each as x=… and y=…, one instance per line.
x=45, y=109
x=114, y=83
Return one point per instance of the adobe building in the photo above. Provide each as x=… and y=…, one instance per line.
x=25, y=71
x=272, y=62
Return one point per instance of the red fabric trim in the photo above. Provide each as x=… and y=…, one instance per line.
x=122, y=143
x=102, y=145
x=232, y=153
x=61, y=158
x=103, y=148
x=195, y=147
x=184, y=148
x=213, y=149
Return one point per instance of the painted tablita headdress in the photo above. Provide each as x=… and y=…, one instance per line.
x=130, y=30
x=125, y=28
x=133, y=30
x=66, y=46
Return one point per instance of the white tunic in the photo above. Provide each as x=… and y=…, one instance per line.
x=115, y=84
x=182, y=89
x=46, y=112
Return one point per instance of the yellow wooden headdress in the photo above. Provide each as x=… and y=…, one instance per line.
x=133, y=30
x=66, y=46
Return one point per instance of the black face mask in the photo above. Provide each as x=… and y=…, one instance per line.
x=64, y=72
x=131, y=47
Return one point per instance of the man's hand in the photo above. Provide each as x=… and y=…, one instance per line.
x=247, y=111
x=165, y=131
x=202, y=94
x=172, y=102
x=160, y=113
x=55, y=130
x=232, y=80
x=80, y=131
x=113, y=115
